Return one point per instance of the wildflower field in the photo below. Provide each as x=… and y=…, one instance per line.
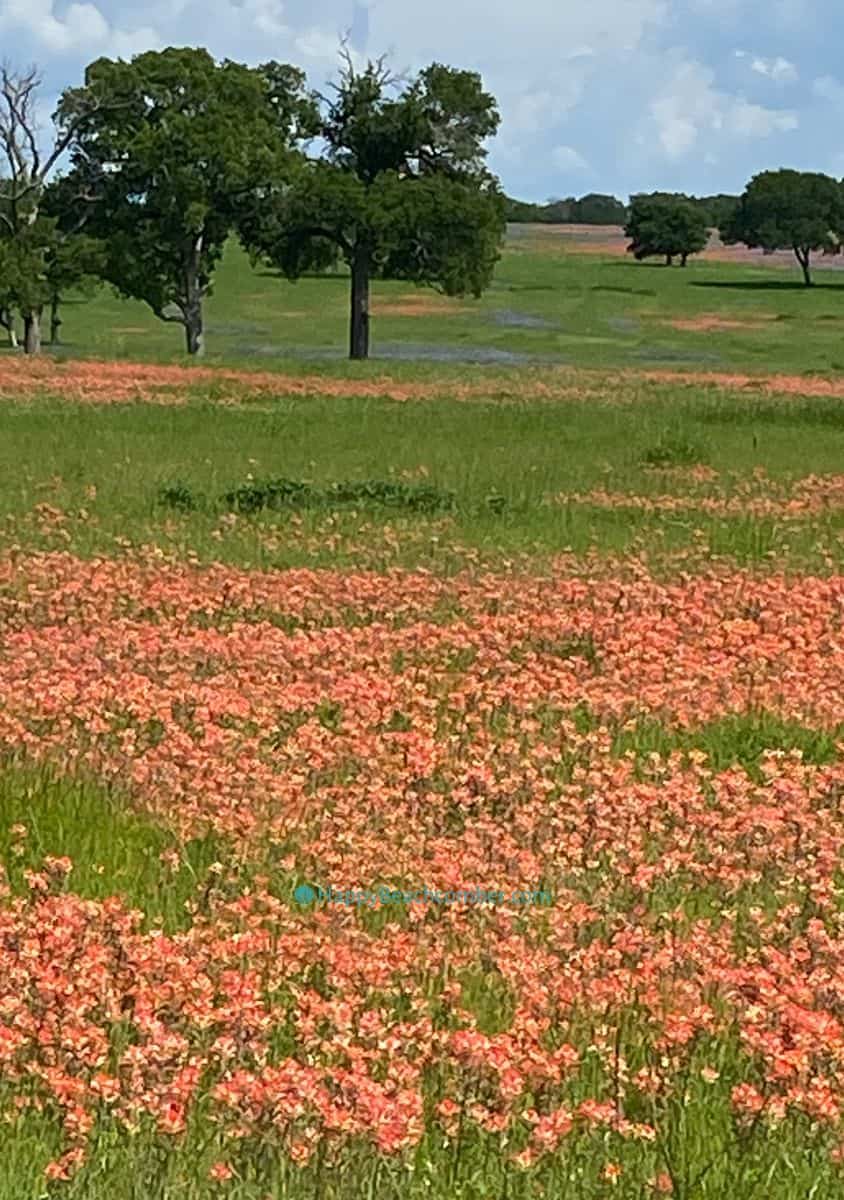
x=421, y=782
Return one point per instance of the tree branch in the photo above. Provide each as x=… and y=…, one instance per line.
x=169, y=318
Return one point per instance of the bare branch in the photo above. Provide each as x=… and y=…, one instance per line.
x=346, y=56
x=168, y=317
x=19, y=137
x=18, y=121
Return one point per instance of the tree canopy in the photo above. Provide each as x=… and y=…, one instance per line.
x=402, y=190
x=801, y=211
x=665, y=225
x=178, y=146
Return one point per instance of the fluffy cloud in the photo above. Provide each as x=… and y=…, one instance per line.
x=689, y=110
x=81, y=28
x=828, y=88
x=779, y=69
x=267, y=16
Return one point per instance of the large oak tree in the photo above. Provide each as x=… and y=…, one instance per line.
x=180, y=144
x=401, y=191
x=665, y=225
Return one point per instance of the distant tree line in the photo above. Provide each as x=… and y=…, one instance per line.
x=592, y=209
x=598, y=209
x=163, y=158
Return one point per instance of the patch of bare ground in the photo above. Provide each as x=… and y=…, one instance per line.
x=413, y=304
x=716, y=322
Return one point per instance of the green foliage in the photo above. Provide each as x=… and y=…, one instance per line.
x=179, y=496
x=23, y=265
x=673, y=450
x=169, y=159
x=524, y=212
x=718, y=210
x=801, y=211
x=74, y=263
x=401, y=192
x=39, y=250
x=664, y=225
x=598, y=209
x=290, y=493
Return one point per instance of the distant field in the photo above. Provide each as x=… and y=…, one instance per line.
x=549, y=305
x=611, y=240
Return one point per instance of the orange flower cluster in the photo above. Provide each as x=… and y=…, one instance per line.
x=112, y=382
x=354, y=730
x=84, y=381
x=757, y=496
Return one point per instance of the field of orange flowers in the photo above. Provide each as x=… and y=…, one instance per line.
x=79, y=381
x=509, y=886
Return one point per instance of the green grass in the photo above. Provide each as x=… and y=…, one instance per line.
x=545, y=304
x=708, y=1161
x=114, y=850
x=499, y=454
x=162, y=475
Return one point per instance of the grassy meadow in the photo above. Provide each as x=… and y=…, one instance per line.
x=423, y=778
x=549, y=304
x=514, y=444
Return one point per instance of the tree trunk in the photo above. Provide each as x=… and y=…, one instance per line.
x=32, y=331
x=359, y=322
x=803, y=257
x=194, y=334
x=669, y=259
x=192, y=310
x=7, y=320
x=683, y=259
x=55, y=320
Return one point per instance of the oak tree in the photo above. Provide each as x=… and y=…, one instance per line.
x=665, y=225
x=182, y=143
x=801, y=211
x=401, y=191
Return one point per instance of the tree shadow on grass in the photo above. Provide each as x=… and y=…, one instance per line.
x=766, y=285
x=625, y=291
x=269, y=273
x=646, y=264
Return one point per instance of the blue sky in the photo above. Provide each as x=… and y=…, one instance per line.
x=595, y=95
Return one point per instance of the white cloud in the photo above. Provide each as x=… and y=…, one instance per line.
x=321, y=46
x=531, y=36
x=791, y=15
x=614, y=82
x=528, y=112
x=267, y=16
x=689, y=109
x=82, y=28
x=752, y=120
x=568, y=159
x=779, y=69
